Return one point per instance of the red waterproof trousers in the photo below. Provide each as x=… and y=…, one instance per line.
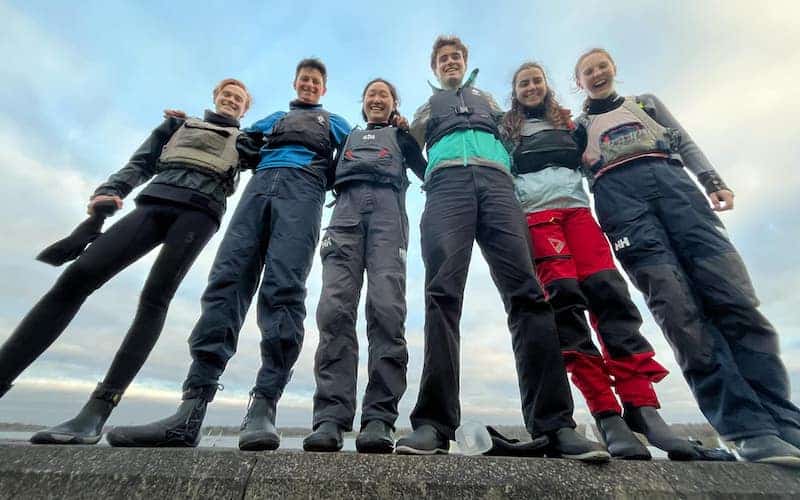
x=573, y=261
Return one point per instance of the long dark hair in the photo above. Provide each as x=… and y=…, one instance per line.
x=513, y=120
x=392, y=90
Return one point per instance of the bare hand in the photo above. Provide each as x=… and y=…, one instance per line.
x=400, y=121
x=100, y=198
x=174, y=113
x=722, y=200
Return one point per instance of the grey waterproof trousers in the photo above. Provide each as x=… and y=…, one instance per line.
x=368, y=231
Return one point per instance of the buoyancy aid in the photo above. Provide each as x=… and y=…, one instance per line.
x=622, y=135
x=372, y=155
x=543, y=145
x=310, y=128
x=458, y=109
x=203, y=145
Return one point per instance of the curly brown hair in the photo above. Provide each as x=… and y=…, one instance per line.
x=514, y=118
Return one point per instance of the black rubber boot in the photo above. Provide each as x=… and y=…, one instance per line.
x=327, y=437
x=646, y=420
x=566, y=443
x=768, y=450
x=619, y=440
x=375, y=437
x=87, y=426
x=425, y=440
x=180, y=430
x=258, y=430
x=791, y=435
x=4, y=389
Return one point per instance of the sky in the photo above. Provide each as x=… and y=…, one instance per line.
x=82, y=87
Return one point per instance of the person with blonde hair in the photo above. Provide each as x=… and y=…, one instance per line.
x=676, y=251
x=195, y=166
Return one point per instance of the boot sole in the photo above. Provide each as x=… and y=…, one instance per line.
x=408, y=450
x=259, y=444
x=58, y=438
x=322, y=448
x=382, y=447
x=589, y=457
x=786, y=461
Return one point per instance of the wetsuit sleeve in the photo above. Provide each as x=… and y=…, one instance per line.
x=419, y=123
x=692, y=156
x=412, y=154
x=142, y=164
x=248, y=144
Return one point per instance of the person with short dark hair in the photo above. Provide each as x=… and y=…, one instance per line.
x=274, y=229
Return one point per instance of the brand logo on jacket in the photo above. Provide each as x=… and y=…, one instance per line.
x=558, y=245
x=321, y=119
x=368, y=137
x=621, y=243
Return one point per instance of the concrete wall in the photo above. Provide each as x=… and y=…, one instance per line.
x=102, y=472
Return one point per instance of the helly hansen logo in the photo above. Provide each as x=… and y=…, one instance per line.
x=621, y=243
x=326, y=242
x=368, y=137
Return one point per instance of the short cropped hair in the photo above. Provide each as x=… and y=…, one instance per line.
x=233, y=81
x=443, y=41
x=312, y=63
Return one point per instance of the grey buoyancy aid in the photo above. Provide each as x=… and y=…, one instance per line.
x=372, y=155
x=543, y=145
x=624, y=134
x=459, y=109
x=203, y=145
x=310, y=128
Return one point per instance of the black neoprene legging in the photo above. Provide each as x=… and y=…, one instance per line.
x=184, y=231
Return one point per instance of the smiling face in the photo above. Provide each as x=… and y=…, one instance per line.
x=378, y=103
x=595, y=75
x=530, y=87
x=310, y=85
x=450, y=66
x=231, y=101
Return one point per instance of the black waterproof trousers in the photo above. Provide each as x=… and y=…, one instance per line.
x=676, y=251
x=274, y=229
x=465, y=204
x=184, y=231
x=368, y=231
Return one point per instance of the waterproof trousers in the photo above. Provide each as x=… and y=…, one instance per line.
x=182, y=231
x=573, y=261
x=274, y=229
x=677, y=253
x=368, y=232
x=463, y=205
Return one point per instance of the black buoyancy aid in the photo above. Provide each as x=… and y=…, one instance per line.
x=459, y=109
x=372, y=155
x=310, y=128
x=542, y=145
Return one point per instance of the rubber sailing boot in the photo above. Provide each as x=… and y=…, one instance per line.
x=620, y=441
x=326, y=437
x=258, y=430
x=646, y=420
x=87, y=426
x=566, y=443
x=375, y=437
x=180, y=430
